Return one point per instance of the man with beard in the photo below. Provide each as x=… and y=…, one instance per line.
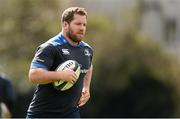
x=67, y=45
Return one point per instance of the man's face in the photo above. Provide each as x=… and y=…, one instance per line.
x=76, y=28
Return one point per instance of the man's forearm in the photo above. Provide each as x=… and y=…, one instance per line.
x=87, y=78
x=41, y=76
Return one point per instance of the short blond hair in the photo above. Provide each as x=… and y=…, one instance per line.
x=68, y=14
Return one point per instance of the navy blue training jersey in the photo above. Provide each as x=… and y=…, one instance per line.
x=47, y=100
x=7, y=94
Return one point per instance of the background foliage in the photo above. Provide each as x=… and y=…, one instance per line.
x=133, y=75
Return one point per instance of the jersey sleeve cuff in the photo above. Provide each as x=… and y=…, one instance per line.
x=38, y=65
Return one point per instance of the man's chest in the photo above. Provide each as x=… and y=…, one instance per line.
x=81, y=54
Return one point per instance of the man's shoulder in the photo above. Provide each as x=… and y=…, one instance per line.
x=82, y=43
x=56, y=40
x=52, y=42
x=4, y=80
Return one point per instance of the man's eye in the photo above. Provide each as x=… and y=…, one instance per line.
x=78, y=23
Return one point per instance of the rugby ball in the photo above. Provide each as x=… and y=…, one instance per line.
x=64, y=85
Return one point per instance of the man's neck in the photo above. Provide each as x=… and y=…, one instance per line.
x=69, y=40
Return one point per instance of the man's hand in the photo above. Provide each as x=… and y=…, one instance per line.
x=85, y=96
x=5, y=113
x=68, y=75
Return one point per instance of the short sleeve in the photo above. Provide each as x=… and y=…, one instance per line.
x=44, y=57
x=91, y=57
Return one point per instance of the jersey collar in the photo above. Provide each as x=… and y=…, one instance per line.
x=66, y=41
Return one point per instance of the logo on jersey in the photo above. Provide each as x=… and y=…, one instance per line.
x=38, y=59
x=65, y=52
x=86, y=52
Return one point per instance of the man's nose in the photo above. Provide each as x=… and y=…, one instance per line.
x=82, y=27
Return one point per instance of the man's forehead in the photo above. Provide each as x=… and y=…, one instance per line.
x=81, y=18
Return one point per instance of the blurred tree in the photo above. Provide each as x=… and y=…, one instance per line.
x=25, y=24
x=133, y=76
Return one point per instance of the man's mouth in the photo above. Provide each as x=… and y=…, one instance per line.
x=81, y=33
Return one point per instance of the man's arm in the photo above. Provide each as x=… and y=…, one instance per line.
x=85, y=96
x=42, y=76
x=87, y=78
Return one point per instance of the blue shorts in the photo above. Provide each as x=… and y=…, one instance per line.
x=75, y=113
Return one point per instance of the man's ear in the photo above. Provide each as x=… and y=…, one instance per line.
x=65, y=25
